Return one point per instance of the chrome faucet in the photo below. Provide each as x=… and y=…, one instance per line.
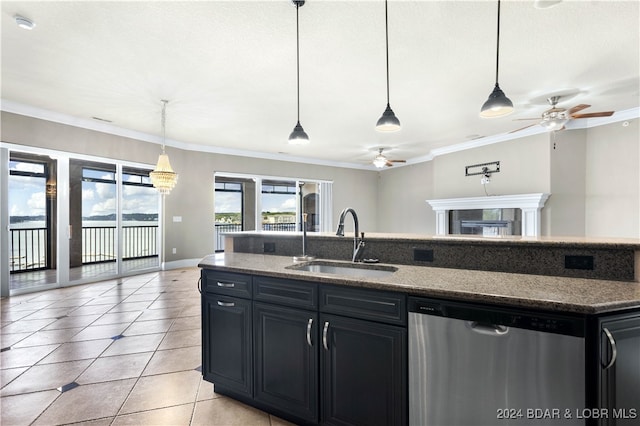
x=358, y=242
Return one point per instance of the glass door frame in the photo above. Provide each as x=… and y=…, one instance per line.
x=63, y=216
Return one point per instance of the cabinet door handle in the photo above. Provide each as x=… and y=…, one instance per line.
x=226, y=285
x=614, y=349
x=325, y=330
x=199, y=283
x=226, y=304
x=309, y=325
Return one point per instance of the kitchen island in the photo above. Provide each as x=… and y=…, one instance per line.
x=334, y=348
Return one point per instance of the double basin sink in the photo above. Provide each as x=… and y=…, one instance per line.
x=364, y=270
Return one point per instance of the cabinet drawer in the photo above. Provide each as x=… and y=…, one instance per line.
x=300, y=294
x=373, y=305
x=226, y=283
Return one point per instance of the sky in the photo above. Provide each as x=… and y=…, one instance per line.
x=230, y=202
x=27, y=198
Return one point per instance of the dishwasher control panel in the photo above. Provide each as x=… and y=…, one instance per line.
x=490, y=315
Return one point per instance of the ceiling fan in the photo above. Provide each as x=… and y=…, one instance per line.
x=381, y=161
x=555, y=118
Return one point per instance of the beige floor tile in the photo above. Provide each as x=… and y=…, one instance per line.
x=87, y=402
x=72, y=322
x=25, y=357
x=181, y=359
x=23, y=409
x=143, y=297
x=26, y=325
x=115, y=368
x=94, y=332
x=148, y=327
x=14, y=315
x=50, y=313
x=187, y=323
x=117, y=318
x=48, y=337
x=134, y=344
x=73, y=351
x=130, y=306
x=7, y=340
x=161, y=391
x=104, y=300
x=156, y=314
x=181, y=339
x=227, y=412
x=206, y=391
x=46, y=377
x=90, y=310
x=8, y=374
x=178, y=415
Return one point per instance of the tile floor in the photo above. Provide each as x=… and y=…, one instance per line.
x=116, y=352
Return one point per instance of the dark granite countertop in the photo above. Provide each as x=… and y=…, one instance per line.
x=560, y=294
x=556, y=241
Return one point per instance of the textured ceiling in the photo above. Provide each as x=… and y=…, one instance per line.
x=228, y=69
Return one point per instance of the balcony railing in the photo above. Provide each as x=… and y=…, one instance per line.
x=28, y=249
x=29, y=245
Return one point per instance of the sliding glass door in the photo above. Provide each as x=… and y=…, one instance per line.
x=78, y=219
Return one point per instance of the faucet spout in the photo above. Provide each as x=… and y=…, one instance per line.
x=358, y=242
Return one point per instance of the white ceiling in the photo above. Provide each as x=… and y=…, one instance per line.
x=228, y=69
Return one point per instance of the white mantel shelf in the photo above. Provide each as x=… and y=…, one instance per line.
x=530, y=204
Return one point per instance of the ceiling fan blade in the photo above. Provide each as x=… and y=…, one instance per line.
x=389, y=164
x=398, y=161
x=525, y=127
x=594, y=114
x=577, y=108
x=520, y=119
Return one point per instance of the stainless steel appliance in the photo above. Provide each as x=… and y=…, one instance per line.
x=479, y=365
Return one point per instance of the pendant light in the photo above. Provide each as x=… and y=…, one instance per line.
x=498, y=104
x=163, y=177
x=388, y=122
x=298, y=136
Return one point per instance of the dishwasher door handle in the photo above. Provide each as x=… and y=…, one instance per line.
x=487, y=329
x=614, y=349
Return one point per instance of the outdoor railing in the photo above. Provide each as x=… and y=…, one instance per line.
x=28, y=249
x=29, y=245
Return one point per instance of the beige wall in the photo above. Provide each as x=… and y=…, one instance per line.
x=192, y=199
x=613, y=180
x=593, y=176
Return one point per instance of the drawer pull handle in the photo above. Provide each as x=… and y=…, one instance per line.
x=614, y=349
x=325, y=330
x=226, y=285
x=309, y=325
x=226, y=304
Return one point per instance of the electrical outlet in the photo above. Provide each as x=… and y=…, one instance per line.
x=174, y=250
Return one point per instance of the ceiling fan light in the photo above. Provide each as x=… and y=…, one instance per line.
x=298, y=136
x=553, y=124
x=388, y=122
x=497, y=105
x=380, y=161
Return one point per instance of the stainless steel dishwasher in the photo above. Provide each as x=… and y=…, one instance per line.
x=479, y=365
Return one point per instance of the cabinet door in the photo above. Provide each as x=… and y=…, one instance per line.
x=364, y=371
x=620, y=374
x=226, y=342
x=286, y=359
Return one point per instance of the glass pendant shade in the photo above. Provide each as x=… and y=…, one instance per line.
x=497, y=105
x=380, y=161
x=298, y=136
x=553, y=124
x=388, y=122
x=163, y=177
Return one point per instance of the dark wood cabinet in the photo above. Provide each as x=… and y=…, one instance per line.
x=363, y=372
x=227, y=349
x=286, y=359
x=620, y=369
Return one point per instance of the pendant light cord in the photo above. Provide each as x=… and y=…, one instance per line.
x=164, y=122
x=386, y=32
x=498, y=44
x=298, y=58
